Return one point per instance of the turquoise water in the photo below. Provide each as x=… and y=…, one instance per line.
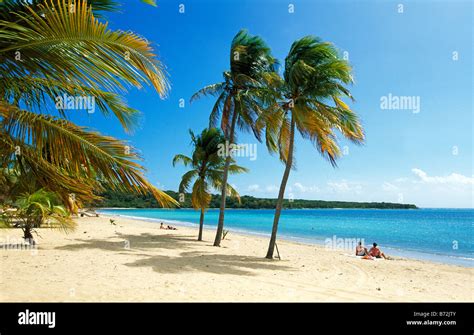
x=443, y=235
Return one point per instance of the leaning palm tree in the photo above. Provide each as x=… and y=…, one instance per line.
x=314, y=75
x=239, y=98
x=58, y=48
x=207, y=170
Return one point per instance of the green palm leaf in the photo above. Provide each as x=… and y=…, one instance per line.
x=38, y=93
x=79, y=151
x=75, y=45
x=207, y=167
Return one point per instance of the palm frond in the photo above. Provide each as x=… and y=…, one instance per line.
x=182, y=158
x=236, y=169
x=38, y=93
x=200, y=197
x=210, y=90
x=73, y=44
x=79, y=151
x=186, y=180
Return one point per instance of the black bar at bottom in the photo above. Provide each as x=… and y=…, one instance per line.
x=116, y=318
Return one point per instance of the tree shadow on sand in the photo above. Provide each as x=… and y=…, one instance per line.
x=124, y=242
x=211, y=263
x=187, y=261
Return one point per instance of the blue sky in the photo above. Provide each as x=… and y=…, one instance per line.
x=423, y=158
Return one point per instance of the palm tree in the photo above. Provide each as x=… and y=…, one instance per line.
x=313, y=76
x=239, y=98
x=36, y=209
x=55, y=48
x=207, y=170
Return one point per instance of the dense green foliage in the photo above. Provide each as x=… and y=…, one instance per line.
x=57, y=58
x=114, y=199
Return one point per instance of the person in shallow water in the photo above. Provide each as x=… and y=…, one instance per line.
x=376, y=252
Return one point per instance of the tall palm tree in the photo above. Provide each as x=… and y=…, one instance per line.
x=56, y=48
x=207, y=170
x=314, y=75
x=239, y=98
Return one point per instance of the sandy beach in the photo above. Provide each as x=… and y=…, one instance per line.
x=136, y=261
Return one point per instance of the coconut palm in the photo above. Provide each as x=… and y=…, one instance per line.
x=314, y=75
x=239, y=98
x=56, y=48
x=207, y=170
x=13, y=184
x=37, y=209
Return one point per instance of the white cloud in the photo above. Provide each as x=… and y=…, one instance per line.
x=424, y=190
x=402, y=180
x=299, y=187
x=271, y=188
x=389, y=187
x=256, y=188
x=253, y=188
x=453, y=178
x=305, y=189
x=345, y=186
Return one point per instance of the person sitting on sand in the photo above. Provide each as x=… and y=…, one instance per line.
x=167, y=227
x=362, y=251
x=375, y=252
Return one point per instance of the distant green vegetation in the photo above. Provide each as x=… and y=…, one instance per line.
x=114, y=199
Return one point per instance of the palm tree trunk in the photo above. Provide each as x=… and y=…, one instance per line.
x=220, y=223
x=201, y=224
x=281, y=193
x=27, y=235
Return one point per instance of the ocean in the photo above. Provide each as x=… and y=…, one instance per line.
x=440, y=235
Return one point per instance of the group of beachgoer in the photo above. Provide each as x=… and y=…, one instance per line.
x=374, y=252
x=167, y=227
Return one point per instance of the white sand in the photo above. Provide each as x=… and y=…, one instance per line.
x=136, y=261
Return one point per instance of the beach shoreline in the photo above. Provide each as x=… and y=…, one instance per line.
x=134, y=260
x=390, y=250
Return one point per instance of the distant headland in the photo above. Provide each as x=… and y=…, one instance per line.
x=128, y=200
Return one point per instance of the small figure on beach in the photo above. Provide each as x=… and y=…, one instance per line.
x=167, y=227
x=376, y=252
